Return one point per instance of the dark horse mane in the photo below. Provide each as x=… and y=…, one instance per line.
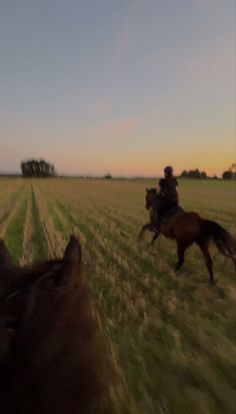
x=53, y=358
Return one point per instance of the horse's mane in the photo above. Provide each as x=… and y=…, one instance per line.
x=49, y=311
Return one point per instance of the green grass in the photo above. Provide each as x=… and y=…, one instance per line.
x=15, y=232
x=172, y=335
x=58, y=225
x=38, y=237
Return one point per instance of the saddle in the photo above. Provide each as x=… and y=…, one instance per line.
x=166, y=215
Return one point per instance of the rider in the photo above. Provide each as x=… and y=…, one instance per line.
x=168, y=193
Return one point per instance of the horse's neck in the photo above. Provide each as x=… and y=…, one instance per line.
x=155, y=203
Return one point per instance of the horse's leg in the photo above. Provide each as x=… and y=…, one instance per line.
x=155, y=237
x=180, y=252
x=147, y=226
x=205, y=251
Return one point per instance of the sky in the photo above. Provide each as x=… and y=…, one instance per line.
x=126, y=87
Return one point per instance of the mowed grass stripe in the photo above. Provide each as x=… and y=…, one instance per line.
x=9, y=204
x=56, y=210
x=14, y=235
x=55, y=216
x=38, y=240
x=27, y=245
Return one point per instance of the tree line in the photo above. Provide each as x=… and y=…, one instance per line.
x=229, y=174
x=194, y=174
x=41, y=168
x=37, y=168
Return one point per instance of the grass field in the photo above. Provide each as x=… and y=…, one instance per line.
x=172, y=337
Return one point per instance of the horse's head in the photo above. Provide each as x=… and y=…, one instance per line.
x=151, y=197
x=35, y=299
x=51, y=359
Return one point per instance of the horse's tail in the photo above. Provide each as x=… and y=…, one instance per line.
x=223, y=240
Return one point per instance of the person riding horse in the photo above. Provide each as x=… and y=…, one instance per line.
x=168, y=192
x=168, y=195
x=187, y=228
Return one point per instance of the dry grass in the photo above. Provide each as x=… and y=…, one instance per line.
x=172, y=337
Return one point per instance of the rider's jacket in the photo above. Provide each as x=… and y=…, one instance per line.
x=168, y=193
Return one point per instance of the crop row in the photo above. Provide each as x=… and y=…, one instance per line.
x=172, y=337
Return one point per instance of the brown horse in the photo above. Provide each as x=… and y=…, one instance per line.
x=188, y=228
x=52, y=358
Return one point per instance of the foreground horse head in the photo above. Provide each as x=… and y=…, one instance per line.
x=52, y=359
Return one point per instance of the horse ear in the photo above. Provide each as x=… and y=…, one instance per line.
x=5, y=256
x=72, y=253
x=146, y=190
x=71, y=264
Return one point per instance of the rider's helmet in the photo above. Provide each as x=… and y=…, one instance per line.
x=168, y=171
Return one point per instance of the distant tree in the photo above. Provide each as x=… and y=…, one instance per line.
x=184, y=174
x=24, y=168
x=227, y=175
x=35, y=168
x=194, y=174
x=203, y=175
x=230, y=174
x=108, y=176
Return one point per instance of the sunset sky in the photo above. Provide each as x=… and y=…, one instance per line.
x=120, y=86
